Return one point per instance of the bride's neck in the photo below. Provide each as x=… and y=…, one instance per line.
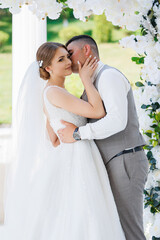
x=58, y=81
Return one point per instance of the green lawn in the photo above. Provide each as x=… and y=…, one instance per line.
x=116, y=56
x=5, y=87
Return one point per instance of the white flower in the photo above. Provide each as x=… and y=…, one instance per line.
x=156, y=155
x=99, y=8
x=81, y=8
x=144, y=5
x=148, y=218
x=155, y=229
x=138, y=43
x=150, y=95
x=14, y=6
x=156, y=10
x=128, y=42
x=150, y=70
x=49, y=8
x=151, y=181
x=156, y=174
x=145, y=121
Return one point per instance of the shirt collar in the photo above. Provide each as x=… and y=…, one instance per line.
x=94, y=76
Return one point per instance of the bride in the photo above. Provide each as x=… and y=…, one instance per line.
x=57, y=191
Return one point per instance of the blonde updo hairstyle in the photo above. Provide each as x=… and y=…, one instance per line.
x=46, y=53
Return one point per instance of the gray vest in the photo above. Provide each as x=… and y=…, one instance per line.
x=128, y=138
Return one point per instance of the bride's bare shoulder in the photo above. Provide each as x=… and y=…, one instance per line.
x=56, y=94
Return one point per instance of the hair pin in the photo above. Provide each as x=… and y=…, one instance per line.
x=40, y=63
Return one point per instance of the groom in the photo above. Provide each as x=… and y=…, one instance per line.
x=117, y=136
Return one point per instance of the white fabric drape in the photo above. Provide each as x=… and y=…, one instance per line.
x=28, y=33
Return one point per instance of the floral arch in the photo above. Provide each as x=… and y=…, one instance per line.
x=133, y=15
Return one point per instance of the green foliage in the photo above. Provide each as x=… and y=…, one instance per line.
x=139, y=84
x=66, y=13
x=62, y=1
x=68, y=32
x=151, y=199
x=153, y=134
x=102, y=31
x=4, y=12
x=138, y=60
x=4, y=37
x=153, y=109
x=155, y=238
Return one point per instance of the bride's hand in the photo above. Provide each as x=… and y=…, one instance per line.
x=88, y=68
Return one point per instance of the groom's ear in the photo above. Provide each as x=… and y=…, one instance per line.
x=87, y=50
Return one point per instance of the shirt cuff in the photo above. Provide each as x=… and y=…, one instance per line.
x=85, y=132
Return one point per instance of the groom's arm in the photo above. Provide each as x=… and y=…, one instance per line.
x=113, y=88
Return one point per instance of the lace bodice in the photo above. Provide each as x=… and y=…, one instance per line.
x=56, y=114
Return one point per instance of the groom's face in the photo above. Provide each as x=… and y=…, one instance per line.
x=77, y=54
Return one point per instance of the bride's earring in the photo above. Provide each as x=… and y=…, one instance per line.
x=50, y=72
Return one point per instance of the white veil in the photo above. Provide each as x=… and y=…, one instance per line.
x=29, y=138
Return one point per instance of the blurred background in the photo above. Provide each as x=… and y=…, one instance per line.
x=106, y=35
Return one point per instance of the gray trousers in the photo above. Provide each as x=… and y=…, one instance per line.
x=128, y=174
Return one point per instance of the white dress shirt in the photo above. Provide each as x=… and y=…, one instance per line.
x=113, y=88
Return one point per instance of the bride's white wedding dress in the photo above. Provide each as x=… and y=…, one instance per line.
x=71, y=198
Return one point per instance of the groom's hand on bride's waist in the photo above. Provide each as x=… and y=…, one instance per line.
x=66, y=134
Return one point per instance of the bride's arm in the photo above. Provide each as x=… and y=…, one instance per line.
x=53, y=137
x=91, y=109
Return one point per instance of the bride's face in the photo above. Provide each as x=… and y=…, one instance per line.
x=61, y=63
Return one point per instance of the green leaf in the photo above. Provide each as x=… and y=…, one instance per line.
x=155, y=106
x=155, y=195
x=146, y=193
x=155, y=203
x=157, y=189
x=136, y=12
x=146, y=205
x=150, y=84
x=138, y=60
x=153, y=161
x=145, y=106
x=147, y=198
x=157, y=117
x=147, y=147
x=149, y=131
x=155, y=143
x=153, y=210
x=154, y=126
x=149, y=155
x=148, y=134
x=155, y=39
x=152, y=167
x=155, y=238
x=139, y=84
x=157, y=130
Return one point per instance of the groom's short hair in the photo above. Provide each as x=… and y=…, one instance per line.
x=85, y=39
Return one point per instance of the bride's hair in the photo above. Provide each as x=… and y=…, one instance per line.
x=44, y=56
